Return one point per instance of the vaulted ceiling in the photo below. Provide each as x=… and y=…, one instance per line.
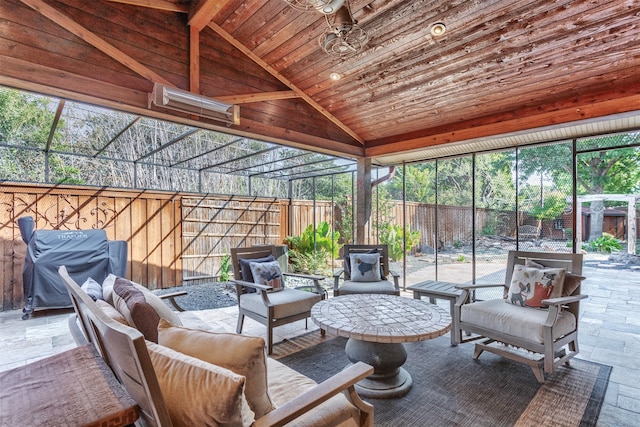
x=503, y=67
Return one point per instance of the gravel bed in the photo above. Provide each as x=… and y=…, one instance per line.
x=204, y=296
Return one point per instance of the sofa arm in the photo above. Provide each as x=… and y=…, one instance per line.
x=341, y=382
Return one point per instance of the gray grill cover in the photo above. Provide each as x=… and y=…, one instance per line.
x=85, y=253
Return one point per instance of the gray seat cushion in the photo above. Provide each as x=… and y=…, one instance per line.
x=382, y=287
x=287, y=302
x=522, y=322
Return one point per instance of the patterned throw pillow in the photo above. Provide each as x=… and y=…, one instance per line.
x=245, y=267
x=571, y=281
x=268, y=274
x=141, y=308
x=529, y=286
x=347, y=263
x=365, y=267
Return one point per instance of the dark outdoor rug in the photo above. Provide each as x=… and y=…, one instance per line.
x=452, y=389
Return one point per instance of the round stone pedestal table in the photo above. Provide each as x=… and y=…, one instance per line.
x=377, y=326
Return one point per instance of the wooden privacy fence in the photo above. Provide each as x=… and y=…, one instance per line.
x=174, y=238
x=170, y=237
x=454, y=222
x=213, y=225
x=149, y=222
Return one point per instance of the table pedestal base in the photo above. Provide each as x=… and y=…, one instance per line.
x=388, y=380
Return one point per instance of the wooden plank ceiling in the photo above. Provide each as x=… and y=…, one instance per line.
x=502, y=66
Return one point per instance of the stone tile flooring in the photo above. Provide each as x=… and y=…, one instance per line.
x=609, y=334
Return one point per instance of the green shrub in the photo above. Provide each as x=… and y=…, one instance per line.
x=605, y=243
x=310, y=262
x=225, y=268
x=313, y=249
x=392, y=236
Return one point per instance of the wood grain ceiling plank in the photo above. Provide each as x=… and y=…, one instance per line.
x=237, y=13
x=397, y=73
x=520, y=82
x=154, y=38
x=168, y=5
x=450, y=53
x=603, y=91
x=284, y=80
x=527, y=72
x=282, y=44
x=40, y=78
x=392, y=38
x=262, y=23
x=45, y=42
x=446, y=76
x=97, y=42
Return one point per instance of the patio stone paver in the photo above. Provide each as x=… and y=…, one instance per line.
x=609, y=334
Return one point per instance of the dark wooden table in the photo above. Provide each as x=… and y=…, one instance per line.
x=73, y=388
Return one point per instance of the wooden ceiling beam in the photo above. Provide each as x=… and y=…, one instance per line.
x=229, y=38
x=468, y=131
x=204, y=11
x=168, y=5
x=99, y=43
x=194, y=60
x=258, y=97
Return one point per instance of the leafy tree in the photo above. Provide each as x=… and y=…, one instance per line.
x=420, y=179
x=25, y=120
x=612, y=170
x=495, y=187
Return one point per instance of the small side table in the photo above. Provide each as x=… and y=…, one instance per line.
x=74, y=388
x=435, y=289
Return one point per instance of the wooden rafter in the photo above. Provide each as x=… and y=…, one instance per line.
x=204, y=11
x=168, y=5
x=97, y=42
x=255, y=58
x=258, y=97
x=200, y=16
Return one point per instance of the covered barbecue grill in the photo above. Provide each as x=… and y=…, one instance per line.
x=85, y=253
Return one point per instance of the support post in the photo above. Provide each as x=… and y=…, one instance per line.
x=631, y=225
x=363, y=199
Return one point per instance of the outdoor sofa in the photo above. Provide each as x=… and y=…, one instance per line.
x=162, y=377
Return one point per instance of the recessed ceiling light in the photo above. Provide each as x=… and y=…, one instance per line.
x=438, y=29
x=335, y=76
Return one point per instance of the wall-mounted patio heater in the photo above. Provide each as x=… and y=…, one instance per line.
x=192, y=103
